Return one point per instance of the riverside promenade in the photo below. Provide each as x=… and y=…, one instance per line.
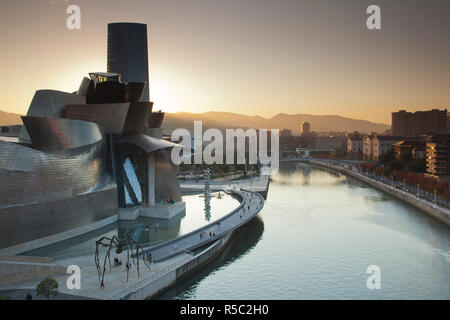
x=173, y=259
x=440, y=213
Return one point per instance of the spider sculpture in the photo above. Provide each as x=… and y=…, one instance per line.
x=124, y=243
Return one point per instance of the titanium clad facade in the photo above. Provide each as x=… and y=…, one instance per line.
x=42, y=194
x=146, y=143
x=36, y=220
x=50, y=103
x=29, y=175
x=166, y=177
x=58, y=134
x=156, y=119
x=111, y=116
x=136, y=121
x=128, y=53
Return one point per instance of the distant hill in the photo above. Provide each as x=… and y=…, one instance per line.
x=224, y=120
x=221, y=120
x=9, y=118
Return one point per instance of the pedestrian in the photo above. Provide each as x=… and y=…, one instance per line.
x=102, y=284
x=29, y=296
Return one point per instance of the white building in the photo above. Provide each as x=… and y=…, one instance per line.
x=367, y=143
x=354, y=147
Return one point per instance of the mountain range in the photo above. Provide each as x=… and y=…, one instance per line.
x=224, y=120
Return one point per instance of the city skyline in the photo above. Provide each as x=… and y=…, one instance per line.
x=255, y=58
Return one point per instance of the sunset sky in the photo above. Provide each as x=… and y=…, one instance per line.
x=257, y=57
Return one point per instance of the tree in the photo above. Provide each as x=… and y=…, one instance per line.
x=395, y=165
x=47, y=287
x=387, y=157
x=416, y=165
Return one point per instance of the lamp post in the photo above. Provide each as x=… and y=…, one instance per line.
x=418, y=191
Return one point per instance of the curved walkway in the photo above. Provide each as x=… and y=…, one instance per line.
x=251, y=205
x=167, y=257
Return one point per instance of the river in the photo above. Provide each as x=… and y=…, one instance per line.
x=316, y=236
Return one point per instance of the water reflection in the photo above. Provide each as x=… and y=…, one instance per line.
x=241, y=243
x=321, y=232
x=207, y=208
x=146, y=231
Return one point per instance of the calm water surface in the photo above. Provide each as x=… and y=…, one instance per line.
x=315, y=238
x=146, y=231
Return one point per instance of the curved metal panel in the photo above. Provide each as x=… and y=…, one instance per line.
x=136, y=121
x=109, y=92
x=50, y=103
x=85, y=86
x=29, y=175
x=111, y=116
x=146, y=143
x=156, y=119
x=35, y=220
x=56, y=134
x=134, y=91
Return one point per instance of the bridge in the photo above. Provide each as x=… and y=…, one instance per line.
x=299, y=154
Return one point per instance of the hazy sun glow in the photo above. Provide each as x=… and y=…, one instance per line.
x=253, y=57
x=162, y=97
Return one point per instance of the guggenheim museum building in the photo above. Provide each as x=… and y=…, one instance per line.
x=84, y=158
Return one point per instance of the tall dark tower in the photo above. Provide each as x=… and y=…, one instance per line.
x=128, y=54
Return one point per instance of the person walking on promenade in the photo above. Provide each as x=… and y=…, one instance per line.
x=102, y=285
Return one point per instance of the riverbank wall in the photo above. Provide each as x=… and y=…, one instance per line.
x=173, y=274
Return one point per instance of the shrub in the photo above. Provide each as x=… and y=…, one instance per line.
x=47, y=287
